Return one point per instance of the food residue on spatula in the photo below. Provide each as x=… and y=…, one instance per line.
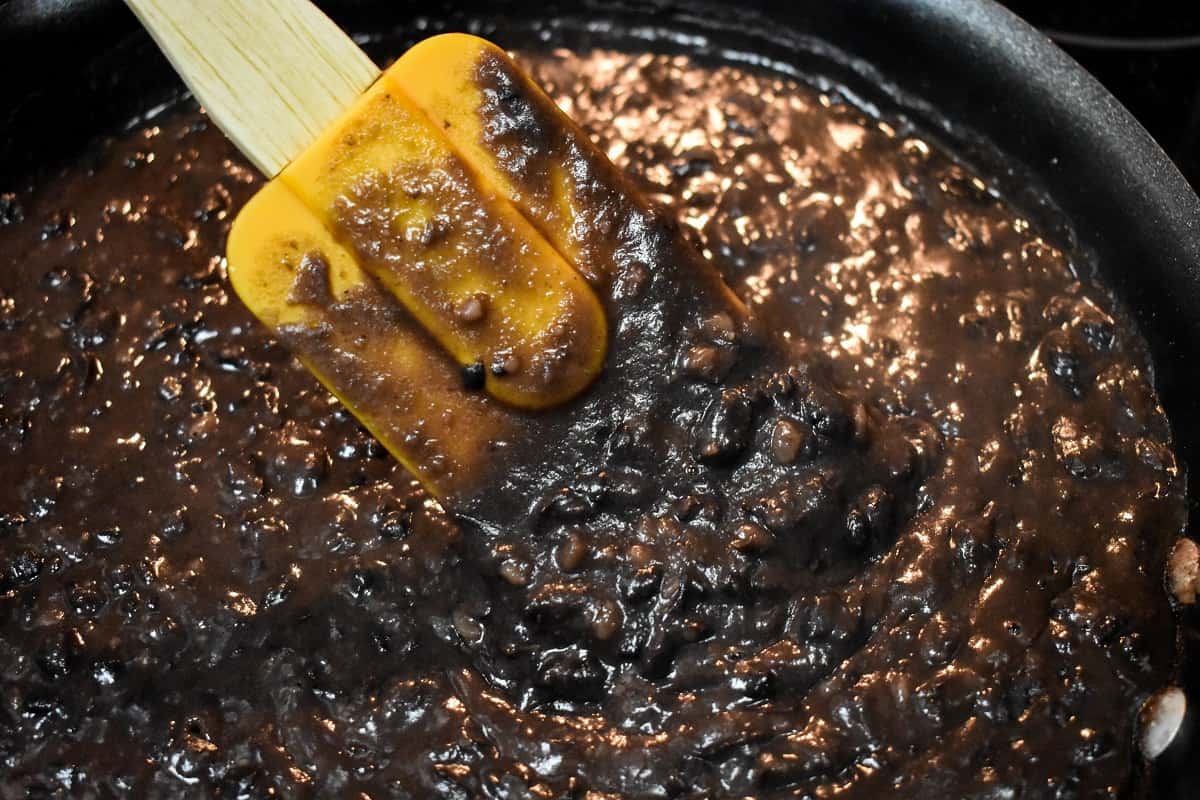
x=463, y=228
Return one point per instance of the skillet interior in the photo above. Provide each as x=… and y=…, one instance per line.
x=1126, y=203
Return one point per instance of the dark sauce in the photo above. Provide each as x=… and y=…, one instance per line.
x=908, y=542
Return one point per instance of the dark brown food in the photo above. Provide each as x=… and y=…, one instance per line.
x=913, y=547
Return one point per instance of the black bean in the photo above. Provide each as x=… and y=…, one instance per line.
x=1062, y=360
x=299, y=468
x=474, y=376
x=87, y=599
x=571, y=673
x=23, y=568
x=277, y=594
x=394, y=524
x=870, y=518
x=359, y=585
x=107, y=671
x=708, y=362
x=108, y=537
x=53, y=662
x=723, y=432
x=787, y=441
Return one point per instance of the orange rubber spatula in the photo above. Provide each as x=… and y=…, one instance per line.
x=441, y=247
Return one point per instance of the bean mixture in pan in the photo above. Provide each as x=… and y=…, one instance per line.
x=908, y=542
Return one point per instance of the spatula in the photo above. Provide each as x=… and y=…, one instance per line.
x=445, y=250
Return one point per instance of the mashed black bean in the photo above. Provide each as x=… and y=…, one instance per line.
x=913, y=548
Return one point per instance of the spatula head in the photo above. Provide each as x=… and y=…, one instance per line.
x=463, y=268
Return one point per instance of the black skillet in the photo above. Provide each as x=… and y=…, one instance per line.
x=967, y=70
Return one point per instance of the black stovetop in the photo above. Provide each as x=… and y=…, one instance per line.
x=1146, y=52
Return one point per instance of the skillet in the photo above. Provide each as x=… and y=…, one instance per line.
x=966, y=70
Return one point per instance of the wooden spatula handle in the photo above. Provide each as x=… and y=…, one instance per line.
x=272, y=74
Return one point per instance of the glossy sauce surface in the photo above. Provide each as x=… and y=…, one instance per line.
x=912, y=547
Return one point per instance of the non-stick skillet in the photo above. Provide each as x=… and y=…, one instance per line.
x=968, y=70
